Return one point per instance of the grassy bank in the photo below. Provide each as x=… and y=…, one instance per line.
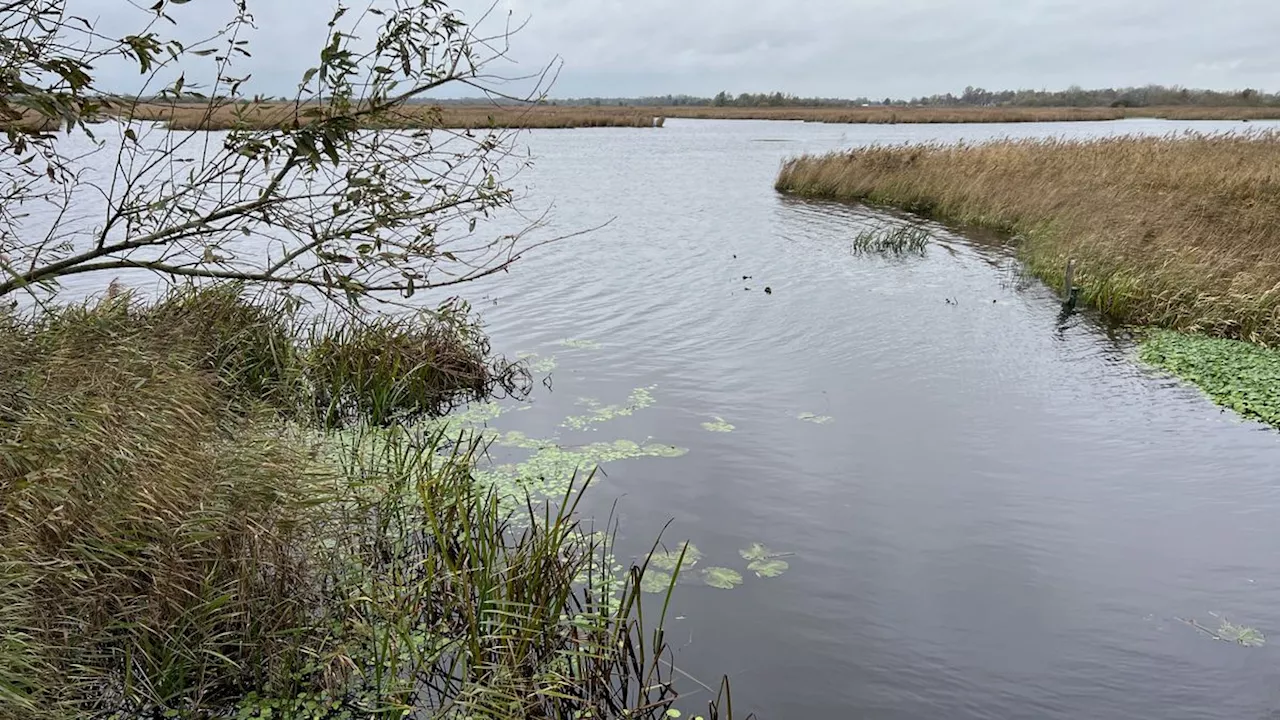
x=1175, y=232
x=1180, y=233
x=413, y=117
x=265, y=115
x=889, y=115
x=212, y=509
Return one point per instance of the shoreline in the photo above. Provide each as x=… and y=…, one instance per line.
x=1178, y=234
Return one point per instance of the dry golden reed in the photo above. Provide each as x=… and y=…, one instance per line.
x=1177, y=231
x=413, y=117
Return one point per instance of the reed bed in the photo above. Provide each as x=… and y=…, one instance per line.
x=261, y=116
x=1180, y=232
x=182, y=535
x=890, y=115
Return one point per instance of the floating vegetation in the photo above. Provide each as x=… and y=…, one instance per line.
x=894, y=240
x=669, y=559
x=539, y=364
x=722, y=578
x=656, y=581
x=815, y=419
x=639, y=399
x=718, y=425
x=1230, y=632
x=769, y=568
x=475, y=415
x=580, y=344
x=764, y=563
x=517, y=439
x=1241, y=635
x=1237, y=375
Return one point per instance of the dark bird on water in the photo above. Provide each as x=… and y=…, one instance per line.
x=768, y=291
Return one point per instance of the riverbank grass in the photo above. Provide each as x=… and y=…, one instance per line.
x=1179, y=232
x=208, y=510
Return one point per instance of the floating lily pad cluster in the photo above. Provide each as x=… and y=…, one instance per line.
x=1238, y=375
x=762, y=561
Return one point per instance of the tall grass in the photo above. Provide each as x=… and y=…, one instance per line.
x=1180, y=231
x=175, y=541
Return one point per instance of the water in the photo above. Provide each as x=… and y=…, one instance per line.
x=1007, y=513
x=1005, y=516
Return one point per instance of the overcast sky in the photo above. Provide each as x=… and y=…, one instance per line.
x=834, y=48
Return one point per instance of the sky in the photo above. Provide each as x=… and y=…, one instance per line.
x=829, y=48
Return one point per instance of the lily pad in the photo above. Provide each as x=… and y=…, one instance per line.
x=574, y=344
x=768, y=568
x=815, y=419
x=655, y=581
x=667, y=560
x=722, y=578
x=719, y=425
x=757, y=551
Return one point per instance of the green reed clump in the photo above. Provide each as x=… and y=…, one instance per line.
x=396, y=369
x=894, y=239
x=1235, y=374
x=171, y=546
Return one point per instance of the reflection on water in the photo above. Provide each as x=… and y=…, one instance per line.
x=985, y=509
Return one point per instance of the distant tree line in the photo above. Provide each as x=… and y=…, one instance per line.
x=1073, y=96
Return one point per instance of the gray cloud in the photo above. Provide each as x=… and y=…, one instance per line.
x=821, y=47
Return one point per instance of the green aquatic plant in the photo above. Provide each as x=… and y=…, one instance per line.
x=815, y=419
x=764, y=562
x=669, y=559
x=718, y=425
x=895, y=240
x=539, y=364
x=769, y=568
x=573, y=344
x=1234, y=374
x=721, y=578
x=639, y=399
x=656, y=581
x=1241, y=635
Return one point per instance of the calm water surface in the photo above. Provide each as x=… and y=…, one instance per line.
x=1006, y=514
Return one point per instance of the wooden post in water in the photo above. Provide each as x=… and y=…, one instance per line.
x=1069, y=289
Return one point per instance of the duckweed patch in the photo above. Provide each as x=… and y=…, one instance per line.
x=639, y=399
x=1237, y=375
x=718, y=425
x=721, y=578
